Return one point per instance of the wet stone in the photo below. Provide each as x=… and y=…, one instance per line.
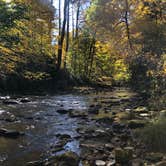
x=10, y=133
x=25, y=100
x=63, y=136
x=66, y=159
x=161, y=163
x=79, y=113
x=10, y=102
x=100, y=163
x=105, y=120
x=154, y=157
x=62, y=111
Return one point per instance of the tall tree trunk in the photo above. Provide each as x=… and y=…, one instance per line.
x=67, y=32
x=77, y=18
x=60, y=18
x=127, y=24
x=62, y=36
x=91, y=54
x=73, y=28
x=76, y=34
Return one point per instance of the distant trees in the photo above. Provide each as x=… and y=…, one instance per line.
x=26, y=50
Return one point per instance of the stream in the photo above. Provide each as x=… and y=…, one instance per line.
x=45, y=121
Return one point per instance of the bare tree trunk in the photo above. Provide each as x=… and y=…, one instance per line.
x=91, y=54
x=59, y=18
x=77, y=18
x=62, y=36
x=67, y=33
x=73, y=30
x=127, y=24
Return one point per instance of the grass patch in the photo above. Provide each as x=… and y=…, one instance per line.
x=154, y=135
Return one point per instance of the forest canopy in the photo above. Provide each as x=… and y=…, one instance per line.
x=90, y=40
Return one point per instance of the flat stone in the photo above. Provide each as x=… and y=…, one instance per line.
x=154, y=157
x=141, y=110
x=10, y=133
x=10, y=102
x=161, y=163
x=100, y=163
x=111, y=163
x=137, y=162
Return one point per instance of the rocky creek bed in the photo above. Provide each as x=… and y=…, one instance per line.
x=75, y=129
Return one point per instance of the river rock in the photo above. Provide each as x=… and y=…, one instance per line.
x=94, y=108
x=62, y=111
x=10, y=102
x=141, y=110
x=4, y=97
x=118, y=127
x=25, y=100
x=161, y=163
x=109, y=146
x=133, y=124
x=100, y=163
x=79, y=113
x=66, y=159
x=163, y=114
x=63, y=136
x=137, y=162
x=10, y=133
x=111, y=163
x=8, y=117
x=123, y=156
x=105, y=120
x=154, y=157
x=34, y=163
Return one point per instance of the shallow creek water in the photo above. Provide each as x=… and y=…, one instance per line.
x=41, y=123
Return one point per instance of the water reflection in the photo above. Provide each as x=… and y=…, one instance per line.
x=41, y=123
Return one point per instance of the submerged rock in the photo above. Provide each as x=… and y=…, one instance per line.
x=94, y=108
x=76, y=113
x=63, y=136
x=62, y=111
x=34, y=163
x=10, y=133
x=105, y=120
